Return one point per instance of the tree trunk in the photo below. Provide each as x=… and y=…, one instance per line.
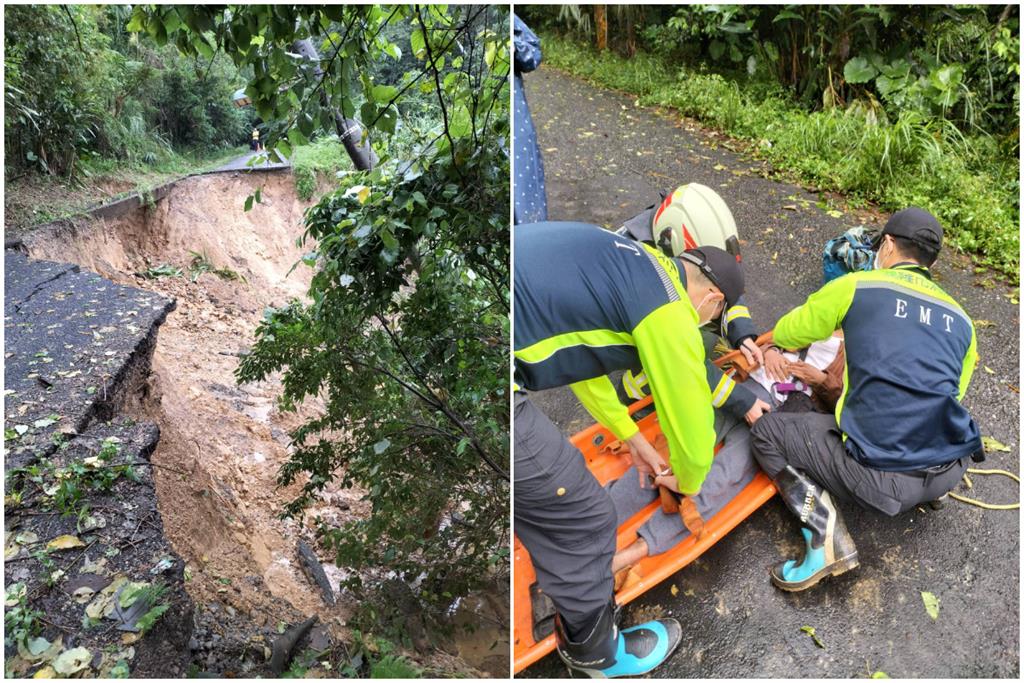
x=601, y=26
x=349, y=130
x=630, y=34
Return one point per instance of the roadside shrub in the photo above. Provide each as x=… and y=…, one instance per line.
x=969, y=181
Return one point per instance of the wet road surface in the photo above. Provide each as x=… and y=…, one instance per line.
x=606, y=160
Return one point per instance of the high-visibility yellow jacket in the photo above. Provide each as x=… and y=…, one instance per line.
x=587, y=302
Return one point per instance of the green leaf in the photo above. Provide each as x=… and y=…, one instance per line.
x=716, y=49
x=419, y=46
x=992, y=445
x=384, y=93
x=858, y=70
x=931, y=604
x=248, y=203
x=809, y=630
x=283, y=148
x=388, y=120
x=786, y=15
x=880, y=674
x=389, y=239
x=205, y=49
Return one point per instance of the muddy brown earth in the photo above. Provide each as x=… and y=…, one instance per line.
x=231, y=440
x=221, y=444
x=606, y=160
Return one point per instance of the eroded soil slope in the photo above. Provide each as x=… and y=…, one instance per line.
x=221, y=444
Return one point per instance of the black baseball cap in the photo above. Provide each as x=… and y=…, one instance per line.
x=721, y=267
x=913, y=224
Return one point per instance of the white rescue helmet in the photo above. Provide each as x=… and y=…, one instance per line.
x=694, y=216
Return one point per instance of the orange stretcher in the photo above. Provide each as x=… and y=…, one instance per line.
x=603, y=455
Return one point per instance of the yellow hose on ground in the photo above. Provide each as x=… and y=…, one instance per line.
x=987, y=506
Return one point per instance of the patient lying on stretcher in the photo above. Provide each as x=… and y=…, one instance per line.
x=814, y=382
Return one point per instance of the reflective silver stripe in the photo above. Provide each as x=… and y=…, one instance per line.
x=673, y=295
x=737, y=312
x=722, y=391
x=951, y=307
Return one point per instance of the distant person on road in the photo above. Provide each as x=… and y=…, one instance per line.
x=255, y=144
x=900, y=435
x=589, y=302
x=531, y=203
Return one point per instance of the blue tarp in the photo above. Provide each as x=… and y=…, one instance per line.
x=531, y=203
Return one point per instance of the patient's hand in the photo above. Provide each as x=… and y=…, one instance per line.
x=775, y=365
x=808, y=373
x=756, y=411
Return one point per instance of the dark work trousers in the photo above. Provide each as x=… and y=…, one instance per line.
x=812, y=442
x=563, y=516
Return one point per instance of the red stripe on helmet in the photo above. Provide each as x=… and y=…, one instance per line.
x=661, y=209
x=688, y=241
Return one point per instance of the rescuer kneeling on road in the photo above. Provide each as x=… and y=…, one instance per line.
x=900, y=435
x=588, y=302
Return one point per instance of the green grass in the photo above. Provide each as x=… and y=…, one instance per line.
x=969, y=183
x=324, y=157
x=34, y=199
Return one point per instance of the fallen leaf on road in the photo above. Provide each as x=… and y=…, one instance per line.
x=72, y=661
x=931, y=604
x=991, y=444
x=809, y=630
x=65, y=542
x=790, y=207
x=674, y=590
x=880, y=674
x=719, y=167
x=984, y=323
x=989, y=370
x=835, y=214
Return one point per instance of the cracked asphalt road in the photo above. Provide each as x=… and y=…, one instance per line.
x=606, y=160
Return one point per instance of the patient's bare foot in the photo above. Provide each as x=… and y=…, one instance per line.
x=629, y=555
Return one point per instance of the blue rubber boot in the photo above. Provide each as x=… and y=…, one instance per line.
x=830, y=550
x=608, y=653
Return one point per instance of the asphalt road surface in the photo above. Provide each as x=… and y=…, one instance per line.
x=606, y=160
x=242, y=163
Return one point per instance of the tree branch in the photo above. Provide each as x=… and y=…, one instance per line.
x=75, y=26
x=440, y=92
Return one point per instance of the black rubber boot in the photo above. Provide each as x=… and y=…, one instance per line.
x=608, y=653
x=830, y=549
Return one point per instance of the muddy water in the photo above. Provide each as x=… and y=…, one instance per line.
x=221, y=444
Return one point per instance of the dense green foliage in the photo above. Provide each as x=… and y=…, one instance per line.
x=868, y=101
x=405, y=334
x=79, y=89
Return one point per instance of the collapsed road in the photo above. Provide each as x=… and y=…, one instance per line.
x=124, y=329
x=123, y=332
x=606, y=160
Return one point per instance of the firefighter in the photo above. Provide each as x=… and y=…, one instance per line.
x=588, y=302
x=691, y=216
